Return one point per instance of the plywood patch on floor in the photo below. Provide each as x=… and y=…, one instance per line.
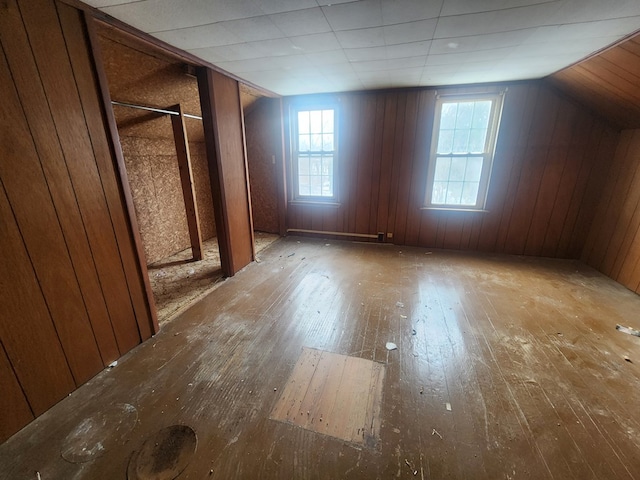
x=335, y=395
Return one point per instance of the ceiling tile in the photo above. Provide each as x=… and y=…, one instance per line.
x=389, y=65
x=302, y=46
x=493, y=22
x=199, y=37
x=160, y=15
x=279, y=6
x=320, y=42
x=403, y=11
x=329, y=57
x=349, y=16
x=480, y=42
x=463, y=7
x=252, y=29
x=301, y=22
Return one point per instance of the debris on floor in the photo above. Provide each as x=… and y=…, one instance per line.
x=435, y=432
x=448, y=406
x=413, y=332
x=399, y=304
x=413, y=470
x=403, y=316
x=627, y=359
x=391, y=346
x=629, y=330
x=291, y=254
x=113, y=364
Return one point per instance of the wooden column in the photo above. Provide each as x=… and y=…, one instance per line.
x=186, y=179
x=222, y=121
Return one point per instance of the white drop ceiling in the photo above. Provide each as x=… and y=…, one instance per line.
x=309, y=46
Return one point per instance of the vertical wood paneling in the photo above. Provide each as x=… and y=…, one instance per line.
x=222, y=120
x=12, y=399
x=547, y=153
x=38, y=115
x=264, y=153
x=37, y=219
x=613, y=245
x=66, y=302
x=45, y=377
x=134, y=319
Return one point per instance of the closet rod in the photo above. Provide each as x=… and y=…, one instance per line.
x=151, y=109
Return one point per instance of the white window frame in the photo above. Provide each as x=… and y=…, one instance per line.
x=487, y=154
x=313, y=106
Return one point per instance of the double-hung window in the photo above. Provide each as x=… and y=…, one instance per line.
x=462, y=145
x=314, y=154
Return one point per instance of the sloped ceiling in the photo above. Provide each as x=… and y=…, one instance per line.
x=608, y=83
x=310, y=46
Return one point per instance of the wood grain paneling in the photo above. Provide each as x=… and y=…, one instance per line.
x=28, y=193
x=548, y=156
x=607, y=83
x=224, y=135
x=613, y=246
x=32, y=343
x=72, y=293
x=12, y=399
x=263, y=125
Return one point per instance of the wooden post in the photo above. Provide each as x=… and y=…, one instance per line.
x=186, y=179
x=222, y=122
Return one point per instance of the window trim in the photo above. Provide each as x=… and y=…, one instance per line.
x=488, y=155
x=296, y=198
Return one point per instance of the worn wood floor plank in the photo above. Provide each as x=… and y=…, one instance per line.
x=523, y=350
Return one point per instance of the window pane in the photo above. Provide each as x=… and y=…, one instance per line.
x=303, y=185
x=448, y=116
x=454, y=192
x=315, y=117
x=315, y=165
x=443, y=165
x=315, y=171
x=439, y=193
x=327, y=142
x=316, y=142
x=461, y=151
x=327, y=121
x=458, y=168
x=465, y=114
x=327, y=165
x=303, y=165
x=469, y=193
x=481, y=114
x=461, y=141
x=316, y=185
x=477, y=139
x=303, y=122
x=445, y=141
x=474, y=169
x=303, y=145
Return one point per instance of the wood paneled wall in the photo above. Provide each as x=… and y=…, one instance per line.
x=607, y=83
x=613, y=245
x=226, y=149
x=72, y=295
x=551, y=157
x=263, y=127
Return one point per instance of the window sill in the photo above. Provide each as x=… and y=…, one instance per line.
x=455, y=209
x=315, y=203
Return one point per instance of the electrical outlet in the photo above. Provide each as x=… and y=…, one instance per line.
x=390, y=235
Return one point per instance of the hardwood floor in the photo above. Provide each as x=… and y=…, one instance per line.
x=506, y=367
